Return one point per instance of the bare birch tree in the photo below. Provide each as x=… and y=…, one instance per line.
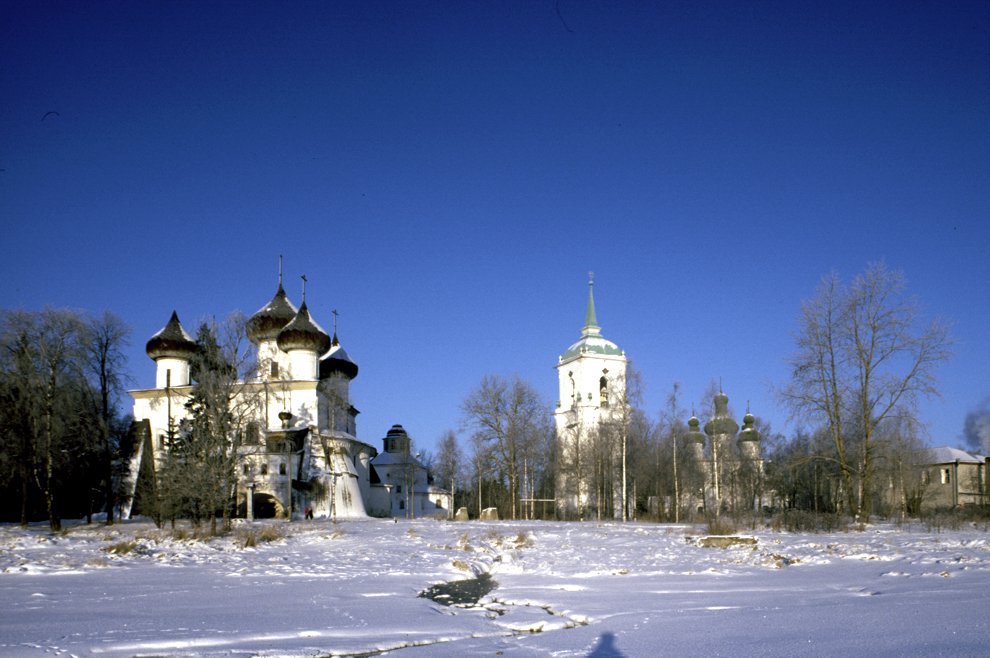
x=864, y=357
x=449, y=464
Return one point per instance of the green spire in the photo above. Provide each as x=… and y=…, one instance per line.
x=590, y=320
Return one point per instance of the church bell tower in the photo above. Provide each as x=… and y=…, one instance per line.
x=592, y=382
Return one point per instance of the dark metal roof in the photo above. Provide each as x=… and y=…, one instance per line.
x=337, y=361
x=271, y=318
x=172, y=341
x=302, y=333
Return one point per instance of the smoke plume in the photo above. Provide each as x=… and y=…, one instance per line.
x=977, y=428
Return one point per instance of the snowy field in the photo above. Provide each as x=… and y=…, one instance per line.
x=577, y=589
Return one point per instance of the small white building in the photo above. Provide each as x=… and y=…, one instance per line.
x=401, y=485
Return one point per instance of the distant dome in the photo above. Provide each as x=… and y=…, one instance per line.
x=749, y=431
x=337, y=361
x=694, y=434
x=721, y=422
x=271, y=318
x=171, y=342
x=302, y=333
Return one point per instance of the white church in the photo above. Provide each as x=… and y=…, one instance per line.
x=298, y=449
x=592, y=415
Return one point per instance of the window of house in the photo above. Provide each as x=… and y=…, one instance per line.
x=402, y=504
x=926, y=477
x=161, y=441
x=946, y=476
x=274, y=369
x=281, y=468
x=264, y=469
x=398, y=488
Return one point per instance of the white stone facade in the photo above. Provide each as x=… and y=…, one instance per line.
x=298, y=448
x=592, y=394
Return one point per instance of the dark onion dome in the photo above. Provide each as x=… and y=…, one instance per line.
x=172, y=342
x=271, y=318
x=337, y=361
x=302, y=333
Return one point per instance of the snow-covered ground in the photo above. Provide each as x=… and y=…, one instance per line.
x=563, y=589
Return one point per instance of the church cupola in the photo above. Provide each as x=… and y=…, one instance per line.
x=749, y=438
x=721, y=424
x=304, y=341
x=695, y=439
x=397, y=441
x=271, y=318
x=263, y=328
x=171, y=349
x=303, y=334
x=337, y=361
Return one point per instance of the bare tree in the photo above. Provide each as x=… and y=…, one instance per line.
x=20, y=410
x=672, y=428
x=448, y=464
x=104, y=343
x=863, y=357
x=48, y=423
x=509, y=416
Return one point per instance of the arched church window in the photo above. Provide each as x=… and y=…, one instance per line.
x=253, y=434
x=281, y=468
x=274, y=369
x=264, y=469
x=603, y=391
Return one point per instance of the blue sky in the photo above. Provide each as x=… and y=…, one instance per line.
x=446, y=174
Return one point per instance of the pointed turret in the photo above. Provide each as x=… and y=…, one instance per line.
x=171, y=349
x=171, y=341
x=272, y=317
x=591, y=342
x=302, y=333
x=337, y=361
x=304, y=341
